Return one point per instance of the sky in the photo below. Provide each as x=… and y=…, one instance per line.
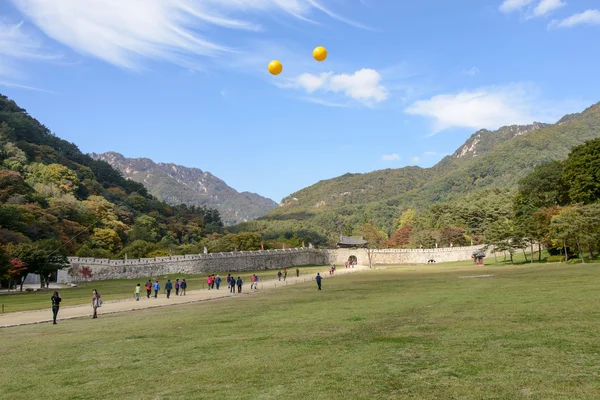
x=186, y=81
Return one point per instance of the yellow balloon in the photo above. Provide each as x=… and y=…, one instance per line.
x=275, y=67
x=320, y=53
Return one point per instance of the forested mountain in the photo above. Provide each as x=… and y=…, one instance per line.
x=483, y=172
x=176, y=184
x=56, y=201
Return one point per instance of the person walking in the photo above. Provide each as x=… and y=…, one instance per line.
x=212, y=281
x=297, y=272
x=218, y=282
x=168, y=288
x=239, y=284
x=209, y=281
x=149, y=287
x=279, y=275
x=55, y=305
x=177, y=287
x=228, y=281
x=183, y=287
x=255, y=282
x=96, y=302
x=232, y=286
x=156, y=288
x=137, y=292
x=318, y=279
x=284, y=274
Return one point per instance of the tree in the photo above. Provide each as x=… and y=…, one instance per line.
x=374, y=237
x=582, y=172
x=17, y=270
x=42, y=257
x=543, y=187
x=107, y=239
x=504, y=236
x=577, y=226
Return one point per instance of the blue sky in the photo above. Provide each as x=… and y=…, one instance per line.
x=186, y=81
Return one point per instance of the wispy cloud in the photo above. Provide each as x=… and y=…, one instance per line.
x=416, y=159
x=588, y=17
x=546, y=7
x=532, y=8
x=17, y=45
x=126, y=32
x=472, y=71
x=489, y=107
x=514, y=5
x=325, y=103
x=363, y=85
x=390, y=157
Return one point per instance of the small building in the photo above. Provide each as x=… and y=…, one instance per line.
x=351, y=242
x=478, y=257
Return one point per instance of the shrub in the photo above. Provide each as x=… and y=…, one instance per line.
x=553, y=259
x=574, y=261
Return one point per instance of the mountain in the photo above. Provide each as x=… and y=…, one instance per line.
x=176, y=184
x=489, y=163
x=56, y=200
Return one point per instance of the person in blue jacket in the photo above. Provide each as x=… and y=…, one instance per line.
x=218, y=281
x=156, y=288
x=318, y=279
x=239, y=284
x=168, y=288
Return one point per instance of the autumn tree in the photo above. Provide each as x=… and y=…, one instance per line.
x=374, y=237
x=43, y=257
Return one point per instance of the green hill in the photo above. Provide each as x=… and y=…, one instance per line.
x=487, y=166
x=55, y=199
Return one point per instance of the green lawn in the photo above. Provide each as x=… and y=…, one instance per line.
x=528, y=332
x=118, y=289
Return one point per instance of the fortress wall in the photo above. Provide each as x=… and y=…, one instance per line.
x=256, y=260
x=402, y=256
x=196, y=264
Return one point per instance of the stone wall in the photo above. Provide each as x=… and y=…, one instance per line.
x=197, y=263
x=256, y=260
x=402, y=256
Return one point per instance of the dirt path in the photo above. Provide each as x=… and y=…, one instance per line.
x=117, y=306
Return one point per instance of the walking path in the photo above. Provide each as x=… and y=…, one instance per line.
x=192, y=296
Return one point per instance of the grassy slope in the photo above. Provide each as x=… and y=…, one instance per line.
x=119, y=289
x=528, y=332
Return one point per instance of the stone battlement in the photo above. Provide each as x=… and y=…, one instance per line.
x=257, y=260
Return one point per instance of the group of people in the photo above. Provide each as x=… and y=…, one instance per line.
x=56, y=299
x=180, y=289
x=212, y=281
x=332, y=270
x=179, y=286
x=232, y=283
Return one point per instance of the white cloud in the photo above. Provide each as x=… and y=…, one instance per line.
x=390, y=157
x=545, y=7
x=363, y=85
x=514, y=5
x=312, y=82
x=125, y=32
x=488, y=107
x=472, y=71
x=588, y=17
x=532, y=8
x=17, y=45
x=416, y=159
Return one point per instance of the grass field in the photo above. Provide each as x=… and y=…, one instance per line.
x=118, y=289
x=528, y=332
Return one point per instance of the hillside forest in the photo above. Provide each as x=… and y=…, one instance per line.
x=521, y=191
